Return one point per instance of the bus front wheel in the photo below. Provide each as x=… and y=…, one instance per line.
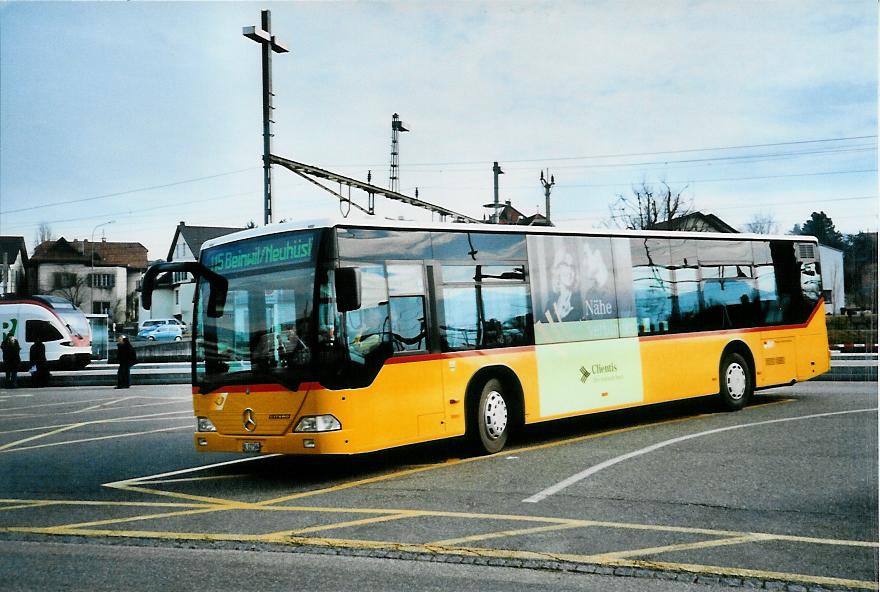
x=735, y=378
x=489, y=418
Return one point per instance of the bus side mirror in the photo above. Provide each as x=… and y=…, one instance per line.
x=218, y=284
x=348, y=289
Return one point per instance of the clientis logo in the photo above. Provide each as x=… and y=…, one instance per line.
x=257, y=254
x=600, y=370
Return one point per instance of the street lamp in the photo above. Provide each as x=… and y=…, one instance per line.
x=92, y=257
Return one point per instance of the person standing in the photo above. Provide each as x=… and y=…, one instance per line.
x=11, y=359
x=40, y=376
x=127, y=358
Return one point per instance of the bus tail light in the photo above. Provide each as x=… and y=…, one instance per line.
x=318, y=423
x=203, y=424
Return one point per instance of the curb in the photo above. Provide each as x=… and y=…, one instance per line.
x=402, y=553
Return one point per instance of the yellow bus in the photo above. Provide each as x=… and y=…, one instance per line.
x=344, y=338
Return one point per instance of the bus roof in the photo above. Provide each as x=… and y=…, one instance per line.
x=365, y=222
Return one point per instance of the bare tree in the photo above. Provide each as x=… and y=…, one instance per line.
x=43, y=234
x=648, y=205
x=762, y=223
x=74, y=289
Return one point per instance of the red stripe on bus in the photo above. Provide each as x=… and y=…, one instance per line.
x=461, y=354
x=262, y=388
x=819, y=306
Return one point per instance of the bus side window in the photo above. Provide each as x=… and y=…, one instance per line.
x=408, y=326
x=42, y=330
x=406, y=290
x=652, y=284
x=507, y=314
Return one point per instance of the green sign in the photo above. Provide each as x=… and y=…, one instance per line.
x=263, y=252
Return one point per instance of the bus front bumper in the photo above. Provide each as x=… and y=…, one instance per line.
x=293, y=443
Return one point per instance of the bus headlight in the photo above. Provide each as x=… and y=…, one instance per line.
x=203, y=424
x=318, y=423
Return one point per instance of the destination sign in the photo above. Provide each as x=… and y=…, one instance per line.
x=263, y=252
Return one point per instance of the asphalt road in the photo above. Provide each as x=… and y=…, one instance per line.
x=101, y=489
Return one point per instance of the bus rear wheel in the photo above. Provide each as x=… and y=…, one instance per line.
x=735, y=378
x=489, y=418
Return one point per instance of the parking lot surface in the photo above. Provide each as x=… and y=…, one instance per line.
x=781, y=494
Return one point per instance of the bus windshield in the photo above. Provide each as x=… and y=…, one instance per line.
x=264, y=335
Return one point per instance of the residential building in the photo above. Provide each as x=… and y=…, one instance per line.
x=13, y=266
x=510, y=215
x=695, y=222
x=173, y=296
x=99, y=277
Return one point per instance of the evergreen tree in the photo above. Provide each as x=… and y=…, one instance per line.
x=821, y=226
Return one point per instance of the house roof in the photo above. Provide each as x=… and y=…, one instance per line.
x=195, y=236
x=697, y=221
x=13, y=247
x=106, y=253
x=534, y=220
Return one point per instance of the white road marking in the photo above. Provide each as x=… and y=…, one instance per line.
x=107, y=404
x=185, y=471
x=127, y=435
x=636, y=453
x=134, y=418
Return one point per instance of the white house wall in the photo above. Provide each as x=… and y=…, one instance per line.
x=123, y=285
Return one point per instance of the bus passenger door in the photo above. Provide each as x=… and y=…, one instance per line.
x=416, y=373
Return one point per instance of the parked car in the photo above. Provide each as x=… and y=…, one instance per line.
x=168, y=332
x=151, y=323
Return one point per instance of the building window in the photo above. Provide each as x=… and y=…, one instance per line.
x=102, y=280
x=63, y=279
x=100, y=307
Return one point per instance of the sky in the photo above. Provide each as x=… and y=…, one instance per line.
x=122, y=119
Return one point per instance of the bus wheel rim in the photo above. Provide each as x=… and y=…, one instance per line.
x=736, y=381
x=495, y=415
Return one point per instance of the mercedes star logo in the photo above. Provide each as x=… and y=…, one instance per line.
x=249, y=423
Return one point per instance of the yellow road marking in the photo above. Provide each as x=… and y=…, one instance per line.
x=216, y=501
x=36, y=502
x=95, y=439
x=348, y=523
x=358, y=483
x=684, y=546
x=26, y=505
x=465, y=551
x=504, y=533
x=453, y=462
x=211, y=503
x=754, y=573
x=39, y=436
x=65, y=527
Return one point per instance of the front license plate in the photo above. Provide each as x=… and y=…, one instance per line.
x=251, y=446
